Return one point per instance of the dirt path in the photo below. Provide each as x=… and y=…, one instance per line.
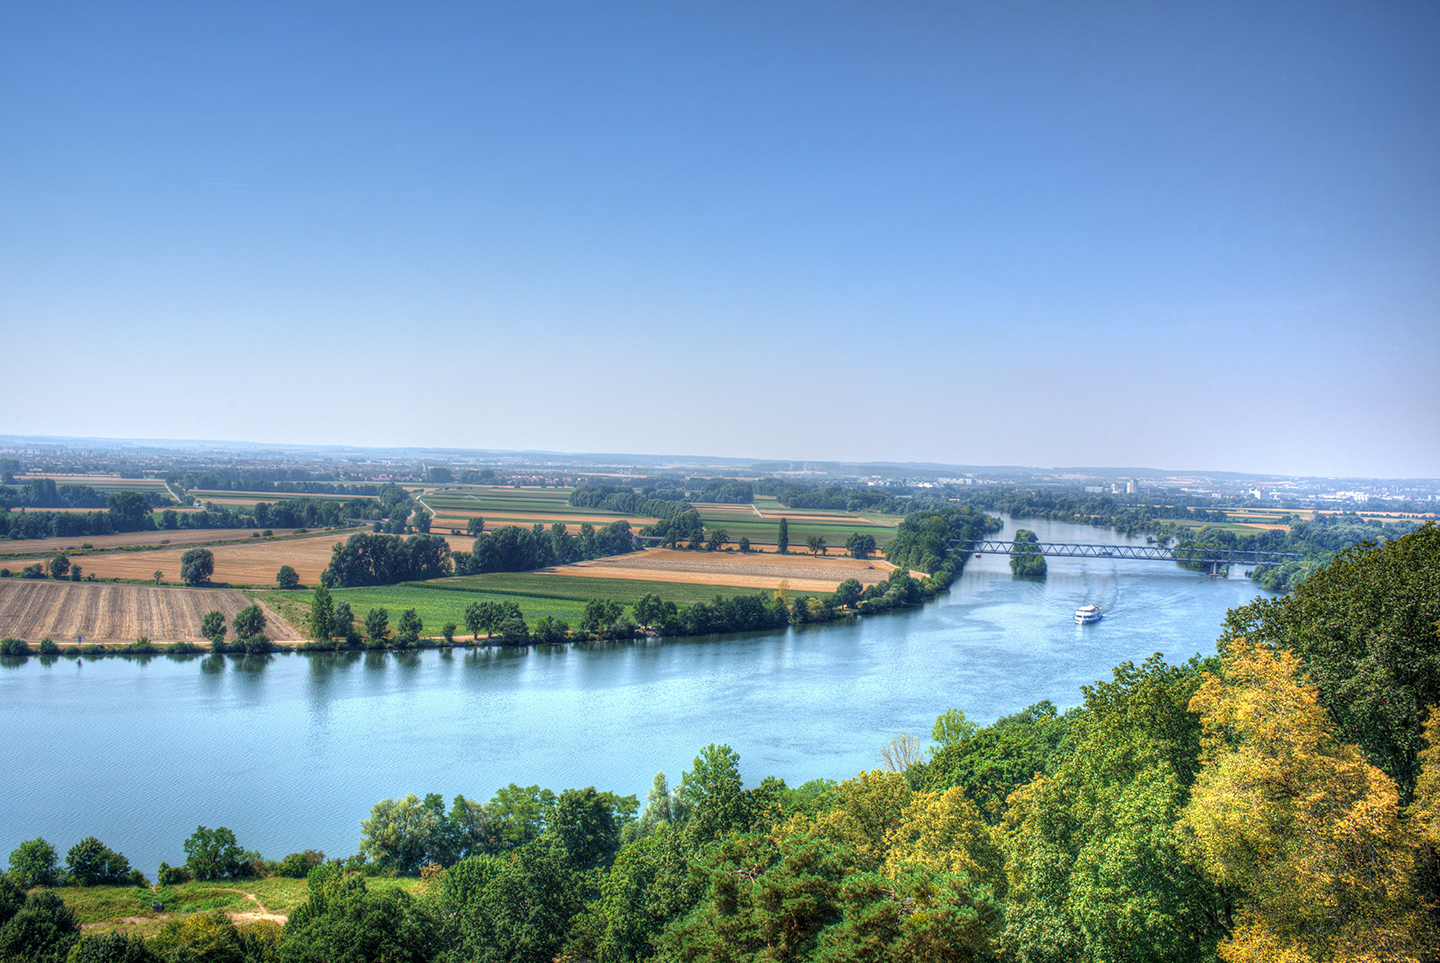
x=259, y=913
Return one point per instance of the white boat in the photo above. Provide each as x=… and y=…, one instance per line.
x=1086, y=614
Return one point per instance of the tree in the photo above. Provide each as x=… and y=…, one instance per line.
x=322, y=615
x=287, y=577
x=1027, y=561
x=213, y=625
x=1294, y=822
x=42, y=931
x=1364, y=629
x=900, y=753
x=952, y=729
x=110, y=948
x=860, y=545
x=816, y=544
x=157, y=575
x=377, y=624
x=197, y=565
x=475, y=527
x=848, y=592
x=92, y=863
x=718, y=538
x=650, y=609
x=782, y=539
x=343, y=921
x=34, y=864
x=343, y=621
x=214, y=854
x=408, y=629
x=59, y=565
x=129, y=511
x=744, y=545
x=600, y=614
x=249, y=621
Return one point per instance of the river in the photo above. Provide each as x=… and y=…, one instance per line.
x=290, y=751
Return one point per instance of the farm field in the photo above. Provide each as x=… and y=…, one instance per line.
x=250, y=562
x=434, y=605
x=48, y=547
x=101, y=483
x=38, y=609
x=253, y=498
x=804, y=573
x=558, y=585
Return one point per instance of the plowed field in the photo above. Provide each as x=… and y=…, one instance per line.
x=64, y=611
x=804, y=573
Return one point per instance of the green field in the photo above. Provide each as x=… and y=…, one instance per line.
x=520, y=585
x=270, y=497
x=768, y=529
x=105, y=484
x=434, y=606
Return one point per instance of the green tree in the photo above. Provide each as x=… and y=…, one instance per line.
x=408, y=629
x=214, y=854
x=197, y=565
x=951, y=729
x=157, y=575
x=34, y=863
x=249, y=621
x=782, y=539
x=92, y=863
x=848, y=592
x=110, y=948
x=1094, y=865
x=718, y=538
x=343, y=621
x=816, y=544
x=287, y=577
x=129, y=511
x=322, y=615
x=213, y=625
x=59, y=565
x=475, y=527
x=600, y=615
x=860, y=545
x=42, y=931
x=348, y=923
x=1026, y=561
x=377, y=624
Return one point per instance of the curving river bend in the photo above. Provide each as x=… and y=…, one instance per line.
x=290, y=751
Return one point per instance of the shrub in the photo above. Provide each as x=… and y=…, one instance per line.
x=4, y=573
x=298, y=865
x=449, y=632
x=14, y=647
x=258, y=645
x=172, y=875
x=287, y=577
x=32, y=571
x=94, y=648
x=48, y=647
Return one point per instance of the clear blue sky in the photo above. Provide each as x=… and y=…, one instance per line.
x=1188, y=236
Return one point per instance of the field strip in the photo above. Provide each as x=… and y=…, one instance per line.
x=696, y=578
x=66, y=611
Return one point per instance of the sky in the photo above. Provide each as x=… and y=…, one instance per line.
x=1197, y=236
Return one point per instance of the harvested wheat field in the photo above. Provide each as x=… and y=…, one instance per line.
x=242, y=563
x=804, y=573
x=47, y=547
x=64, y=611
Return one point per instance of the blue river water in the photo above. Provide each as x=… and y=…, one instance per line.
x=291, y=751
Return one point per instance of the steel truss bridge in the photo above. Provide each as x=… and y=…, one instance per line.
x=1135, y=553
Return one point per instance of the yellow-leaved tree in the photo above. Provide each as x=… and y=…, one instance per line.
x=1302, y=832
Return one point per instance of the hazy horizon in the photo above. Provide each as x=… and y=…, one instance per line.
x=971, y=234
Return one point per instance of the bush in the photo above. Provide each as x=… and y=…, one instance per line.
x=172, y=875
x=4, y=573
x=32, y=571
x=287, y=577
x=94, y=648
x=258, y=645
x=298, y=865
x=14, y=647
x=48, y=647
x=449, y=632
